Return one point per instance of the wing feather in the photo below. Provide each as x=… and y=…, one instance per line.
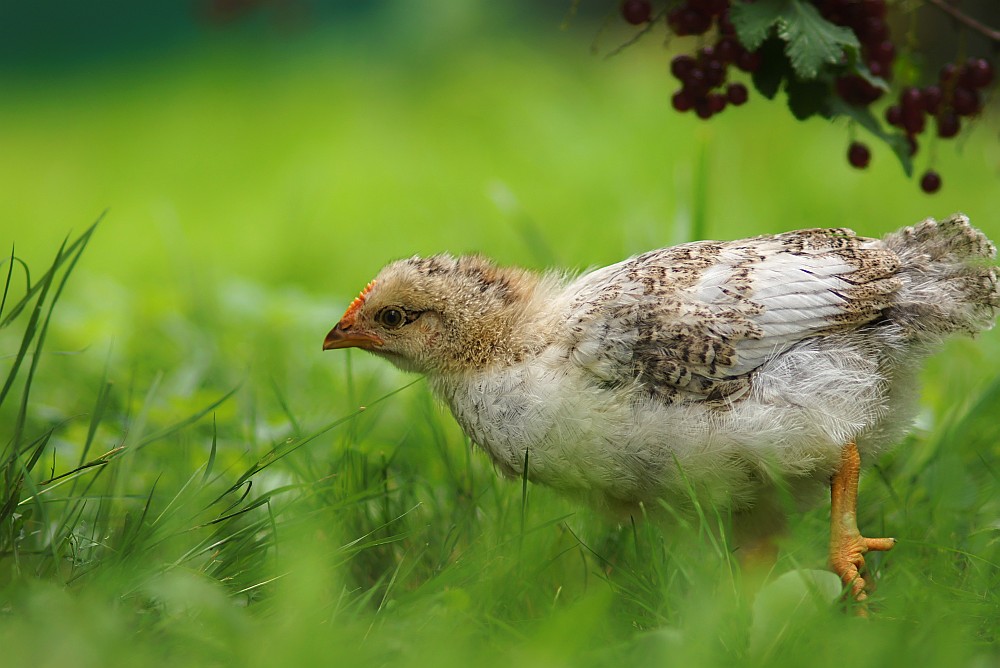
x=694, y=321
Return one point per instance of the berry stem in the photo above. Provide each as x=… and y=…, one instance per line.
x=969, y=22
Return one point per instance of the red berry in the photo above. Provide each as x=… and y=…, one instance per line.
x=858, y=155
x=883, y=52
x=682, y=66
x=716, y=102
x=965, y=101
x=930, y=182
x=703, y=109
x=637, y=11
x=932, y=97
x=715, y=73
x=696, y=81
x=686, y=20
x=948, y=72
x=855, y=90
x=682, y=100
x=913, y=120
x=748, y=61
x=910, y=98
x=728, y=49
x=976, y=73
x=873, y=30
x=948, y=124
x=737, y=94
x=894, y=115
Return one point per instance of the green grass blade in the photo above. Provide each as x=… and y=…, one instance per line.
x=212, y=453
x=181, y=424
x=286, y=449
x=6, y=284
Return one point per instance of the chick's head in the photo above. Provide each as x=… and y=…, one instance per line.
x=439, y=314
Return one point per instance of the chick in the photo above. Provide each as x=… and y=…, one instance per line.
x=742, y=370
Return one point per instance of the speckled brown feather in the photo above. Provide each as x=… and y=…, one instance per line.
x=683, y=344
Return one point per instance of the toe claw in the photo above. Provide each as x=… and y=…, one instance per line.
x=880, y=544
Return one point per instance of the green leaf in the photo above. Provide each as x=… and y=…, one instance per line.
x=812, y=40
x=774, y=68
x=863, y=117
x=753, y=21
x=806, y=98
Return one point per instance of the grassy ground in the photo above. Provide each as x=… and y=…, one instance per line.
x=187, y=479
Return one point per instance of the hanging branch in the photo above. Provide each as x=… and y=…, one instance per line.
x=966, y=20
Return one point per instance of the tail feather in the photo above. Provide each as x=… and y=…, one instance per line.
x=949, y=279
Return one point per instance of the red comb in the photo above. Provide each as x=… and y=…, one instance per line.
x=352, y=311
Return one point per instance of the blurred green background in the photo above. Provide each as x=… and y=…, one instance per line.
x=275, y=154
x=258, y=162
x=308, y=143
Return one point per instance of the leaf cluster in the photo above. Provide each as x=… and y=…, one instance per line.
x=805, y=54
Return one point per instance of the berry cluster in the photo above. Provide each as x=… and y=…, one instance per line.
x=956, y=94
x=706, y=89
x=868, y=21
x=704, y=76
x=866, y=18
x=695, y=17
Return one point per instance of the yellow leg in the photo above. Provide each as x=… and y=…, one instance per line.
x=847, y=546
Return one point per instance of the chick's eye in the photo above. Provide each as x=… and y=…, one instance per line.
x=391, y=317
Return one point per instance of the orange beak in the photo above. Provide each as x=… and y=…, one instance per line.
x=343, y=336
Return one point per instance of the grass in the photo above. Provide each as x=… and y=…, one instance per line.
x=186, y=479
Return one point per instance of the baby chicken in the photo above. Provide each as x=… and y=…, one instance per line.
x=744, y=370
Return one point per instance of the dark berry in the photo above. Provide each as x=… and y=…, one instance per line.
x=932, y=97
x=976, y=73
x=716, y=102
x=748, y=61
x=883, y=52
x=682, y=100
x=965, y=101
x=930, y=182
x=894, y=115
x=695, y=80
x=873, y=30
x=948, y=124
x=637, y=11
x=948, y=72
x=728, y=49
x=855, y=90
x=715, y=73
x=737, y=94
x=702, y=108
x=674, y=20
x=914, y=146
x=911, y=98
x=682, y=66
x=686, y=20
x=858, y=155
x=914, y=123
